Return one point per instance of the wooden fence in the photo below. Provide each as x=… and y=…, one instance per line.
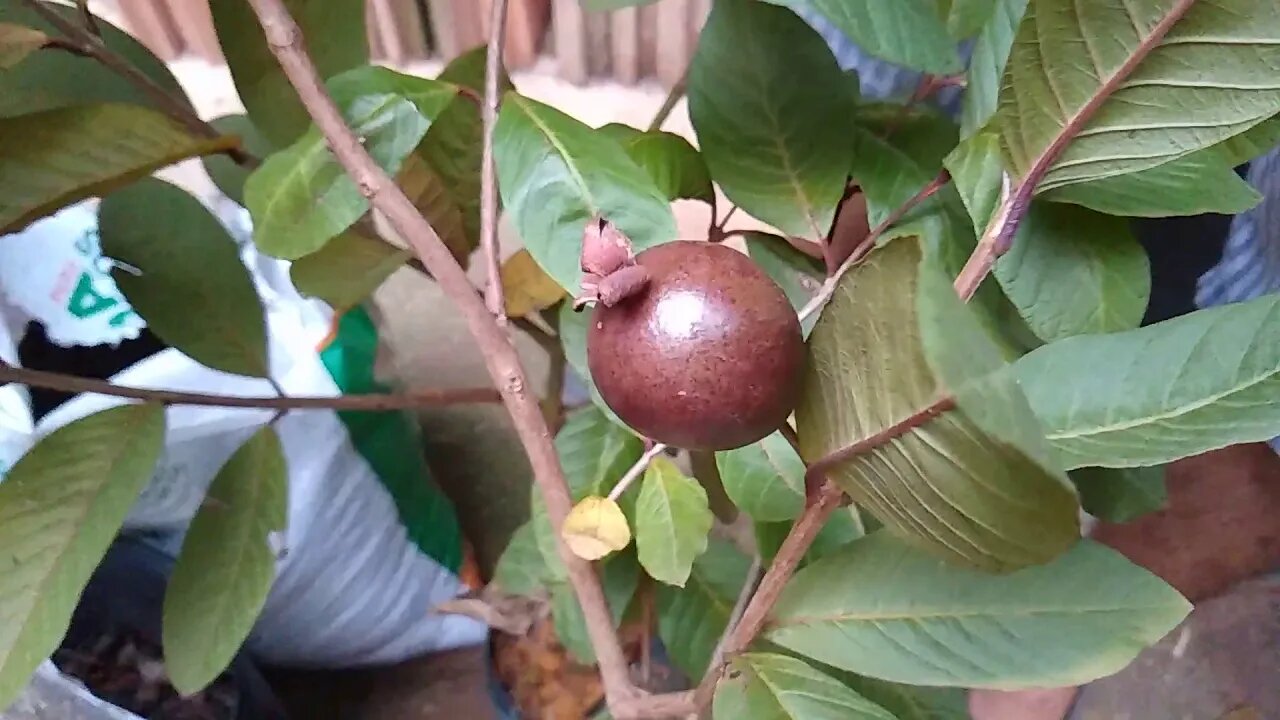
x=627, y=45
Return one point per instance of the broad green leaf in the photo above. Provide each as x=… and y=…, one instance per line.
x=60, y=507
x=556, y=173
x=783, y=100
x=1072, y=271
x=972, y=482
x=672, y=522
x=594, y=452
x=429, y=192
x=767, y=686
x=844, y=526
x=1257, y=140
x=301, y=196
x=224, y=572
x=925, y=622
x=797, y=274
x=912, y=702
x=1120, y=494
x=182, y=273
x=521, y=569
x=526, y=289
x=54, y=79
x=905, y=32
x=677, y=168
x=17, y=42
x=347, y=269
x=1179, y=387
x=1202, y=182
x=692, y=619
x=53, y=158
x=764, y=479
x=336, y=41
x=966, y=18
x=1115, y=87
x=986, y=64
x=226, y=173
x=619, y=576
x=573, y=336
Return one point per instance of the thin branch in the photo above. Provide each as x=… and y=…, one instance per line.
x=896, y=430
x=503, y=363
x=865, y=247
x=735, y=616
x=775, y=579
x=90, y=22
x=400, y=401
x=669, y=103
x=92, y=46
x=636, y=470
x=488, y=176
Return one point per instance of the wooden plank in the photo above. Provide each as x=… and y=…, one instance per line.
x=149, y=22
x=376, y=30
x=469, y=23
x=410, y=30
x=673, y=41
x=445, y=40
x=569, y=27
x=648, y=32
x=526, y=26
x=624, y=31
x=598, y=46
x=194, y=23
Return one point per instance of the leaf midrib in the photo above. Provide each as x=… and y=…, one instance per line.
x=561, y=150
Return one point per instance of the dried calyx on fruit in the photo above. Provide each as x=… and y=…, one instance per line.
x=703, y=353
x=608, y=262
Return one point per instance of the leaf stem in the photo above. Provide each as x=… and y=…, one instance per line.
x=669, y=103
x=739, y=607
x=284, y=38
x=636, y=470
x=865, y=247
x=488, y=176
x=398, y=401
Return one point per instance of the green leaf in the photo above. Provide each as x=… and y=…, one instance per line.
x=764, y=479
x=905, y=32
x=431, y=194
x=17, y=42
x=1119, y=86
x=912, y=702
x=975, y=482
x=677, y=168
x=986, y=64
x=55, y=79
x=556, y=173
x=573, y=336
x=619, y=576
x=545, y=538
x=60, y=508
x=347, y=269
x=335, y=41
x=930, y=623
x=183, y=274
x=594, y=452
x=521, y=569
x=782, y=100
x=797, y=274
x=53, y=158
x=1180, y=387
x=1202, y=182
x=767, y=686
x=966, y=18
x=224, y=572
x=228, y=175
x=672, y=522
x=1257, y=140
x=1120, y=494
x=692, y=619
x=1072, y=271
x=467, y=70
x=301, y=197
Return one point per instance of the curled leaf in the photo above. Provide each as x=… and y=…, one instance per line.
x=596, y=527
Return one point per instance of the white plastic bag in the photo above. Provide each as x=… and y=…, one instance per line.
x=370, y=545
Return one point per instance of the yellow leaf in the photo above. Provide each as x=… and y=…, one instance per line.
x=17, y=42
x=595, y=527
x=527, y=287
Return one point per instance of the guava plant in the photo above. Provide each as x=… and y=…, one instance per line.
x=906, y=447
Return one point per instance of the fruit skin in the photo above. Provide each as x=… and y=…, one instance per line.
x=708, y=357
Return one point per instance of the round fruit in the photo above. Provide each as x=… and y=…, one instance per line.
x=708, y=356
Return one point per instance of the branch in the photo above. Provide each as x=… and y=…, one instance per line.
x=669, y=103
x=488, y=179
x=829, y=285
x=896, y=430
x=286, y=43
x=92, y=46
x=401, y=401
x=636, y=470
x=996, y=239
x=739, y=608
